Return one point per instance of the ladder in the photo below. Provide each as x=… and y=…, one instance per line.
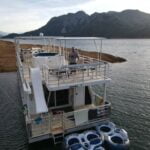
x=58, y=138
x=57, y=128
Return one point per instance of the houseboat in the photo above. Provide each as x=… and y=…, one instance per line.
x=59, y=98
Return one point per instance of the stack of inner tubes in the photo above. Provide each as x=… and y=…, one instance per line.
x=114, y=138
x=106, y=136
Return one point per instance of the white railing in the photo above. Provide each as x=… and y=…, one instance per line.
x=87, y=60
x=103, y=113
x=20, y=67
x=88, y=68
x=40, y=125
x=78, y=73
x=46, y=124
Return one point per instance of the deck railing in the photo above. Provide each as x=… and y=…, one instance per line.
x=20, y=67
x=78, y=73
x=40, y=127
x=103, y=112
x=54, y=123
x=87, y=60
x=86, y=69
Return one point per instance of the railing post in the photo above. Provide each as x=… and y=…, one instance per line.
x=96, y=71
x=49, y=116
x=48, y=76
x=58, y=78
x=63, y=123
x=92, y=72
x=42, y=73
x=82, y=74
x=105, y=72
x=105, y=92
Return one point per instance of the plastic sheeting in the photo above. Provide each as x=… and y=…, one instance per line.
x=52, y=61
x=81, y=116
x=40, y=103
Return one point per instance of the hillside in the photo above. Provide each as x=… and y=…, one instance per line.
x=3, y=33
x=125, y=24
x=8, y=56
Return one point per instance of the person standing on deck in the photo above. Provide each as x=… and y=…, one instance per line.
x=73, y=56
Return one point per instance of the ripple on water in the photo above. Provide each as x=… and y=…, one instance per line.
x=129, y=93
x=12, y=126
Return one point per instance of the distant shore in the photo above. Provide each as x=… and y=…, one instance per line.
x=8, y=56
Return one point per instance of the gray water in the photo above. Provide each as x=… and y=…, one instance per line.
x=129, y=93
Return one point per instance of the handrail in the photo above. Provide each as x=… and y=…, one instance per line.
x=104, y=111
x=68, y=74
x=87, y=64
x=44, y=124
x=88, y=59
x=20, y=65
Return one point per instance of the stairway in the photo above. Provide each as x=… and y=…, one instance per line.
x=58, y=138
x=57, y=128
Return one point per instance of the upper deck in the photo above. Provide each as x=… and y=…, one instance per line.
x=55, y=70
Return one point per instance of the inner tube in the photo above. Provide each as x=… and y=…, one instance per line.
x=76, y=147
x=106, y=129
x=84, y=143
x=99, y=148
x=118, y=141
x=122, y=132
x=93, y=139
x=71, y=140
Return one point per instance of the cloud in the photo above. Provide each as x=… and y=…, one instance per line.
x=115, y=5
x=26, y=15
x=56, y=3
x=21, y=16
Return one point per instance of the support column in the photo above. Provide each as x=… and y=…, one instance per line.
x=105, y=92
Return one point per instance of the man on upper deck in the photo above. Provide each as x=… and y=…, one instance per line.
x=73, y=56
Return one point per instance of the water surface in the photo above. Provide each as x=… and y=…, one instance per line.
x=129, y=93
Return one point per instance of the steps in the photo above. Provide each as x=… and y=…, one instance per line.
x=57, y=128
x=58, y=138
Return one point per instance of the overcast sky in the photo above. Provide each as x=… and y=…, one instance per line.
x=25, y=15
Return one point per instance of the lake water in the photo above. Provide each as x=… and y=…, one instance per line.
x=129, y=93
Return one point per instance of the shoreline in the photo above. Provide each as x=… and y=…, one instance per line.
x=8, y=56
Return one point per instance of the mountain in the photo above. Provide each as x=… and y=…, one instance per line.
x=125, y=24
x=3, y=33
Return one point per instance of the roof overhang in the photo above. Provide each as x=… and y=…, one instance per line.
x=58, y=38
x=85, y=83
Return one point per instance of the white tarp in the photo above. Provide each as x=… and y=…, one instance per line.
x=40, y=103
x=56, y=61
x=52, y=61
x=81, y=116
x=39, y=61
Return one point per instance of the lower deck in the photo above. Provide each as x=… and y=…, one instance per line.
x=78, y=129
x=60, y=122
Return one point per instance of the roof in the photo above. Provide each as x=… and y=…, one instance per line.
x=59, y=38
x=79, y=38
